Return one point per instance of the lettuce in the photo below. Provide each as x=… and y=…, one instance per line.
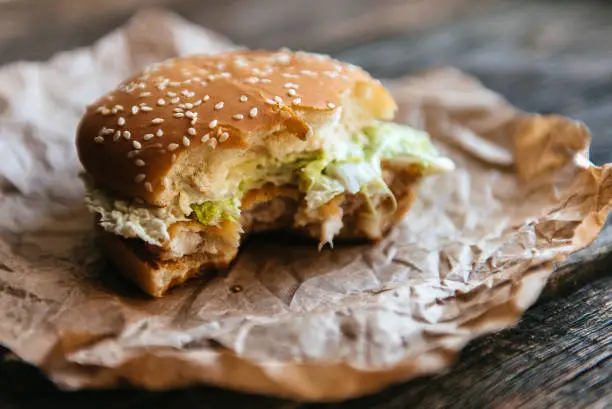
x=212, y=213
x=351, y=166
x=404, y=145
x=353, y=175
x=318, y=187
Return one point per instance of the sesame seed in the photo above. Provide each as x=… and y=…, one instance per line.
x=117, y=136
x=99, y=139
x=331, y=105
x=131, y=154
x=270, y=101
x=205, y=137
x=308, y=72
x=173, y=146
x=189, y=114
x=100, y=109
x=146, y=108
x=238, y=116
x=159, y=133
x=243, y=98
x=278, y=99
x=252, y=80
x=206, y=98
x=175, y=100
x=119, y=108
x=127, y=135
x=171, y=94
x=225, y=75
x=240, y=63
x=121, y=121
x=157, y=121
x=212, y=143
x=265, y=81
x=253, y=112
x=145, y=94
x=135, y=110
x=288, y=75
x=290, y=85
x=219, y=105
x=178, y=115
x=197, y=103
x=297, y=101
x=178, y=110
x=107, y=131
x=212, y=123
x=203, y=83
x=161, y=102
x=136, y=144
x=188, y=105
x=139, y=162
x=224, y=136
x=192, y=131
x=185, y=92
x=186, y=141
x=140, y=178
x=283, y=58
x=174, y=84
x=148, y=186
x=291, y=92
x=106, y=111
x=194, y=119
x=148, y=136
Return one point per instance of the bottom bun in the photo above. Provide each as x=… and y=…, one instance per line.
x=154, y=276
x=156, y=272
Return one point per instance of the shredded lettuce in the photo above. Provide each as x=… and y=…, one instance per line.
x=353, y=175
x=352, y=166
x=405, y=145
x=212, y=213
x=318, y=187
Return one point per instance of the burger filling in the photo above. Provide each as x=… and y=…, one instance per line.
x=346, y=166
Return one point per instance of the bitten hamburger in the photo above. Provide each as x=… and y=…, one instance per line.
x=187, y=157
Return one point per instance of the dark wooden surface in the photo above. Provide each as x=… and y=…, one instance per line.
x=544, y=56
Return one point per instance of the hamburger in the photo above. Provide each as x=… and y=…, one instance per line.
x=187, y=157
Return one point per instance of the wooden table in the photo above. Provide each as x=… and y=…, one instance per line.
x=544, y=56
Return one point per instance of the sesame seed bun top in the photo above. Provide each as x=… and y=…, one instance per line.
x=130, y=139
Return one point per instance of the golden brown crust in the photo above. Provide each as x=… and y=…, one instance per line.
x=130, y=138
x=155, y=276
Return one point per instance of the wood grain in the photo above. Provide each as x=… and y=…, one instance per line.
x=544, y=56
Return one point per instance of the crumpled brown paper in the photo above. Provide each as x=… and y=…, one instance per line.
x=472, y=255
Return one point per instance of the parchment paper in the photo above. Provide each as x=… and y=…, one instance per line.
x=472, y=255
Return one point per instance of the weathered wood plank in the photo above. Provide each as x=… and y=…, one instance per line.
x=35, y=29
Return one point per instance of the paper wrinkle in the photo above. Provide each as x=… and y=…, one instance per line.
x=471, y=256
